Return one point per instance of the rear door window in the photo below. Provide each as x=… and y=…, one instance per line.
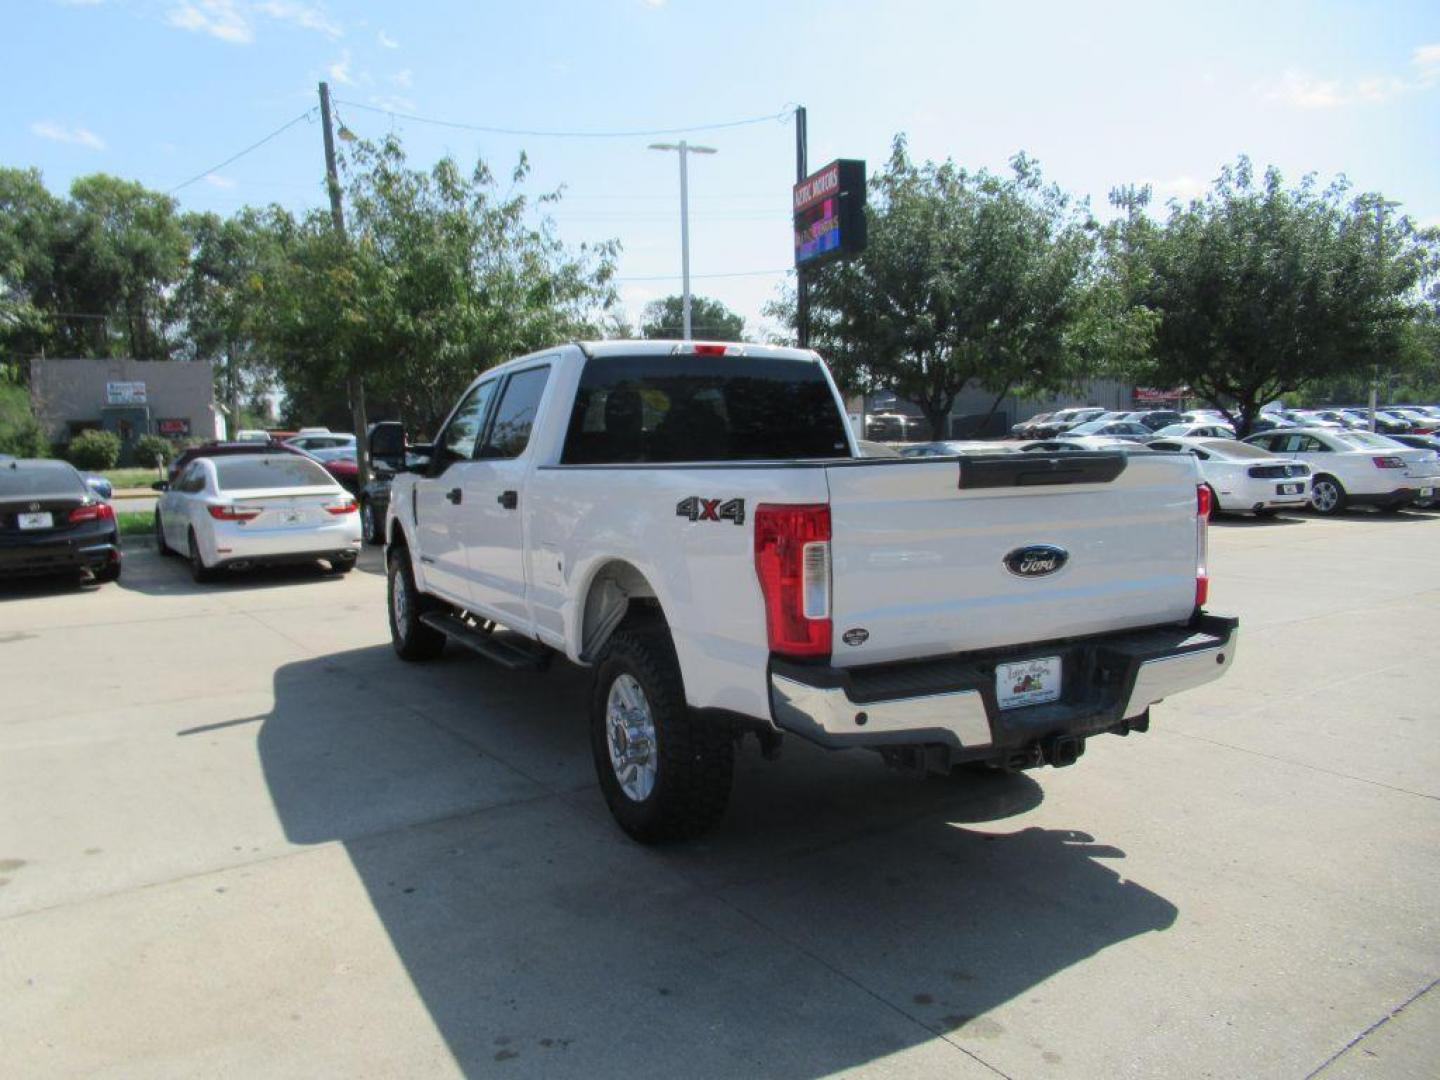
x=644, y=409
x=509, y=432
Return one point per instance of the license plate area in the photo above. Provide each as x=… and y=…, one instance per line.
x=41, y=519
x=1027, y=682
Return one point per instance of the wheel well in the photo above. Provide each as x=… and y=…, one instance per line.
x=396, y=539
x=617, y=591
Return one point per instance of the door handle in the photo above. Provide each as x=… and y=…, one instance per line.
x=455, y=495
x=508, y=499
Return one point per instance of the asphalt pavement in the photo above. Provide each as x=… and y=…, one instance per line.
x=238, y=837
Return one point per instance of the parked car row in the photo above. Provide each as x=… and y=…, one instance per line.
x=1327, y=469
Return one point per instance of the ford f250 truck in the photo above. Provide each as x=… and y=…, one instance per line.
x=694, y=523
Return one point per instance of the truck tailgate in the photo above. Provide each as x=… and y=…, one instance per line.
x=920, y=560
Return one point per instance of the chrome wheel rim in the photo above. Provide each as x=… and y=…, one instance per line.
x=630, y=734
x=399, y=600
x=1324, y=496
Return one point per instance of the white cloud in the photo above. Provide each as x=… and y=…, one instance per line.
x=339, y=70
x=218, y=18
x=222, y=182
x=1426, y=60
x=386, y=41
x=305, y=16
x=78, y=136
x=78, y=3
x=234, y=20
x=395, y=103
x=1305, y=91
x=1183, y=188
x=654, y=3
x=403, y=79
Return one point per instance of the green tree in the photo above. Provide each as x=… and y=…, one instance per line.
x=20, y=433
x=444, y=275
x=966, y=277
x=709, y=319
x=1263, y=289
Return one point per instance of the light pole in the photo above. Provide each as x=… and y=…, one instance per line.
x=684, y=149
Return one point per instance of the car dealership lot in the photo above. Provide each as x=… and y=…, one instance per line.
x=239, y=837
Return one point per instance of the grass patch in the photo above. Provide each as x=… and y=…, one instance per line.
x=135, y=522
x=131, y=478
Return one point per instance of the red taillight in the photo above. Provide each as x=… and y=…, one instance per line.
x=231, y=513
x=792, y=559
x=347, y=507
x=100, y=511
x=709, y=350
x=1203, y=508
x=1389, y=462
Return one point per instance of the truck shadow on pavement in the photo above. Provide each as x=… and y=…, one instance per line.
x=840, y=914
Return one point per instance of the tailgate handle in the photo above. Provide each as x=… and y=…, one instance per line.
x=1033, y=470
x=508, y=499
x=455, y=495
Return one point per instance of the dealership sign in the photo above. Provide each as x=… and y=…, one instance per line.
x=125, y=393
x=829, y=211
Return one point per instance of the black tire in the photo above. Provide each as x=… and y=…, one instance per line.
x=160, y=546
x=341, y=566
x=411, y=639
x=369, y=527
x=694, y=758
x=198, y=570
x=108, y=573
x=1327, y=495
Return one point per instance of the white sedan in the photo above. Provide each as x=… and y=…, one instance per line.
x=232, y=513
x=1244, y=478
x=1213, y=429
x=1356, y=467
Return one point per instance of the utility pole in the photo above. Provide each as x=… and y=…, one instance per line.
x=684, y=149
x=353, y=383
x=802, y=286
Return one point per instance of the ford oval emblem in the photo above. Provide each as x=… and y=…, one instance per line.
x=856, y=636
x=1036, y=560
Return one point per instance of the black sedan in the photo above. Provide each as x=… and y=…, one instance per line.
x=52, y=523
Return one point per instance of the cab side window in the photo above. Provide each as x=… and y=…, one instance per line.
x=509, y=433
x=461, y=435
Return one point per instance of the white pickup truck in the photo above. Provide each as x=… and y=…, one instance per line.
x=694, y=523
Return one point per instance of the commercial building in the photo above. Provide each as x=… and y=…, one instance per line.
x=173, y=398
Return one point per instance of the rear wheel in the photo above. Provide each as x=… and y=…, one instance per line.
x=411, y=638
x=198, y=570
x=665, y=770
x=1327, y=495
x=109, y=572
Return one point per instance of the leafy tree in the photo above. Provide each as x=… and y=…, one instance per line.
x=20, y=433
x=89, y=275
x=709, y=319
x=444, y=275
x=966, y=277
x=1263, y=289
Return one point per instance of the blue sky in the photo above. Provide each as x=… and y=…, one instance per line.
x=1100, y=93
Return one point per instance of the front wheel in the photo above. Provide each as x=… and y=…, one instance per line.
x=411, y=638
x=665, y=771
x=369, y=527
x=1327, y=496
x=161, y=547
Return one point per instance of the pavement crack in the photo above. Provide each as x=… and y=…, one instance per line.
x=1376, y=1026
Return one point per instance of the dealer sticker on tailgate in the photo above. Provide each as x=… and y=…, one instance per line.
x=1029, y=682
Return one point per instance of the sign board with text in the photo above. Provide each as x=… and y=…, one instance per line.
x=829, y=208
x=125, y=393
x=173, y=427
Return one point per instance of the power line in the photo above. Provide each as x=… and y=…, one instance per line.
x=236, y=157
x=780, y=117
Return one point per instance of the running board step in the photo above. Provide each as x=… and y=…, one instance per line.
x=511, y=654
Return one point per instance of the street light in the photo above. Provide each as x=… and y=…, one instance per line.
x=684, y=149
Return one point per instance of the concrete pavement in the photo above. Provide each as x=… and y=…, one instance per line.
x=238, y=837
